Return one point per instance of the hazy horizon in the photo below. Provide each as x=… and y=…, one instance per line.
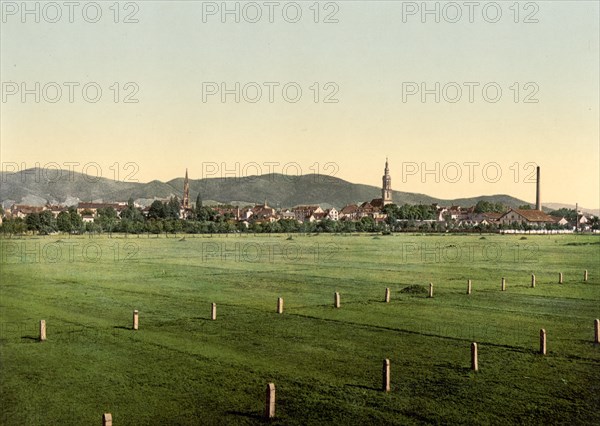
x=52, y=176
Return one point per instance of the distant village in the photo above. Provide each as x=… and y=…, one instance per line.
x=378, y=215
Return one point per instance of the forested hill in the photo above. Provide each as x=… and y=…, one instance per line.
x=30, y=187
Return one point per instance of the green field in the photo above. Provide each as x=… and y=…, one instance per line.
x=182, y=368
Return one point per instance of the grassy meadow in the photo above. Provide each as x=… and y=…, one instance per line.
x=181, y=368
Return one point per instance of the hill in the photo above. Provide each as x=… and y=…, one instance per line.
x=557, y=206
x=279, y=190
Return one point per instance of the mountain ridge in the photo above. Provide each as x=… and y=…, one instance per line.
x=277, y=189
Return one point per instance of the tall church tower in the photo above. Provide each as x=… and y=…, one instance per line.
x=386, y=190
x=185, y=202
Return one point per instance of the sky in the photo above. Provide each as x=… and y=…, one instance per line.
x=465, y=99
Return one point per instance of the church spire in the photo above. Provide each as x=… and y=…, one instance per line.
x=185, y=201
x=386, y=188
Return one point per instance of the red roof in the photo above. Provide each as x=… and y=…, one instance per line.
x=532, y=215
x=352, y=208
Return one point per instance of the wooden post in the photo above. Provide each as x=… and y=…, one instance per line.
x=474, y=358
x=270, y=401
x=336, y=299
x=42, y=330
x=597, y=331
x=135, y=319
x=532, y=280
x=469, y=287
x=387, y=295
x=213, y=311
x=386, y=376
x=543, y=341
x=585, y=276
x=430, y=290
x=106, y=419
x=560, y=278
x=503, y=284
x=280, y=305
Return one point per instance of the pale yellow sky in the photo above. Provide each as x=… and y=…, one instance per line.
x=372, y=55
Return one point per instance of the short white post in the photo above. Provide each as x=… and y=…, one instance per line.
x=106, y=419
x=543, y=341
x=270, y=401
x=386, y=375
x=42, y=330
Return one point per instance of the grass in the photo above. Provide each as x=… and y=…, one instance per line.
x=182, y=368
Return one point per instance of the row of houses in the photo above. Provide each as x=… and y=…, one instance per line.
x=463, y=217
x=300, y=213
x=87, y=211
x=266, y=213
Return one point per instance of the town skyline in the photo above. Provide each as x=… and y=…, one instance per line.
x=382, y=214
x=128, y=174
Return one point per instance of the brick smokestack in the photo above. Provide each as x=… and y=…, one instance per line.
x=538, y=200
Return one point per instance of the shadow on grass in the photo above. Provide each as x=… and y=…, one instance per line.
x=460, y=369
x=32, y=338
x=253, y=416
x=121, y=327
x=371, y=388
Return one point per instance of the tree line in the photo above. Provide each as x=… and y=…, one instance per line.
x=164, y=217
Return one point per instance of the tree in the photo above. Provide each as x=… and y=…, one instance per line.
x=176, y=225
x=157, y=210
x=76, y=220
x=366, y=224
x=172, y=208
x=132, y=213
x=43, y=223
x=499, y=208
x=569, y=214
x=32, y=221
x=347, y=226
x=63, y=222
x=205, y=214
x=47, y=222
x=393, y=212
x=198, y=202
x=126, y=226
x=483, y=206
x=13, y=226
x=326, y=225
x=106, y=217
x=155, y=226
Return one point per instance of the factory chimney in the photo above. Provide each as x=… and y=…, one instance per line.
x=538, y=200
